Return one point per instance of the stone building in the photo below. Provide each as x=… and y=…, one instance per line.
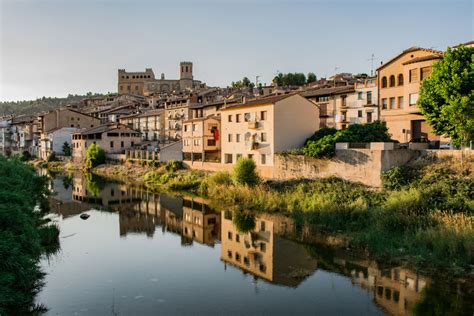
x=145, y=83
x=113, y=138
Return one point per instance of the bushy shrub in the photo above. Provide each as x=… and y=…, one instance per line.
x=51, y=157
x=398, y=177
x=245, y=172
x=94, y=156
x=174, y=165
x=25, y=156
x=67, y=149
x=323, y=143
x=215, y=181
x=244, y=221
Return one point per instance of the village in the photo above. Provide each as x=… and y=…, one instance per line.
x=210, y=128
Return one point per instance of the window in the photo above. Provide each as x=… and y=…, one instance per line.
x=413, y=75
x=229, y=138
x=359, y=95
x=238, y=156
x=400, y=80
x=425, y=73
x=229, y=235
x=384, y=104
x=263, y=159
x=413, y=99
x=392, y=81
x=369, y=97
x=392, y=104
x=229, y=253
x=132, y=143
x=400, y=102
x=121, y=144
x=343, y=100
x=237, y=256
x=186, y=127
x=263, y=115
x=384, y=82
x=247, y=117
x=263, y=247
x=262, y=268
x=194, y=127
x=111, y=144
x=211, y=142
x=369, y=117
x=229, y=118
x=250, y=156
x=359, y=113
x=237, y=118
x=228, y=158
x=246, y=261
x=237, y=237
x=237, y=138
x=262, y=226
x=263, y=137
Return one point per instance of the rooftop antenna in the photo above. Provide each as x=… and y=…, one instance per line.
x=371, y=65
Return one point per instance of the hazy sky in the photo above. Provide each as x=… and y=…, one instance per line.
x=52, y=48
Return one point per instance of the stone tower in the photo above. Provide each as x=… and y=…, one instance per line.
x=186, y=77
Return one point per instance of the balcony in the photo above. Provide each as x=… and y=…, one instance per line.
x=253, y=125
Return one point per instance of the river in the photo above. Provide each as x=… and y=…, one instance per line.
x=144, y=253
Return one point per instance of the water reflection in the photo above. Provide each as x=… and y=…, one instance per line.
x=261, y=245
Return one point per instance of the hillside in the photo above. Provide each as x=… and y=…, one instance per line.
x=40, y=104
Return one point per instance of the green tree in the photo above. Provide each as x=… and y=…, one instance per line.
x=290, y=79
x=66, y=149
x=311, y=77
x=94, y=156
x=244, y=83
x=245, y=172
x=447, y=96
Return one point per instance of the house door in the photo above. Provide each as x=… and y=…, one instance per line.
x=369, y=117
x=416, y=129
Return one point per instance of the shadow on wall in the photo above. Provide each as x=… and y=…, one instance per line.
x=351, y=157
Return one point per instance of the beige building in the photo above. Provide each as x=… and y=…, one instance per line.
x=264, y=254
x=200, y=223
x=113, y=138
x=145, y=83
x=201, y=139
x=399, y=82
x=363, y=109
x=333, y=104
x=151, y=124
x=262, y=127
x=65, y=117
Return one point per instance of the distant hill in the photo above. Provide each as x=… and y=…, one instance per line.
x=41, y=104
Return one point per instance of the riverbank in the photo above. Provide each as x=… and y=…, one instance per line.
x=423, y=216
x=25, y=235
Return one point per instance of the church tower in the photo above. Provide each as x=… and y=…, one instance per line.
x=186, y=75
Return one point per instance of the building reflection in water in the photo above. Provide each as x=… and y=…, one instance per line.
x=262, y=252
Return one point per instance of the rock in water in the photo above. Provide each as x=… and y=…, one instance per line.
x=84, y=216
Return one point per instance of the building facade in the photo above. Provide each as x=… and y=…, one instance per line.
x=260, y=128
x=399, y=85
x=113, y=138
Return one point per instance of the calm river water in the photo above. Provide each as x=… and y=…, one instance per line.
x=142, y=253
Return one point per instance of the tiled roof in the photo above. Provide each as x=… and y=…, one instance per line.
x=259, y=101
x=106, y=128
x=411, y=49
x=328, y=91
x=423, y=58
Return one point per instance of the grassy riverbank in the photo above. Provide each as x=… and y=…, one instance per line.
x=424, y=214
x=24, y=236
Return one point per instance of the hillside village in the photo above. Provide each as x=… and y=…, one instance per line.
x=211, y=127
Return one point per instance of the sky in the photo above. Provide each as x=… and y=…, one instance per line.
x=57, y=47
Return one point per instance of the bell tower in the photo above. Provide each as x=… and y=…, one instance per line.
x=186, y=75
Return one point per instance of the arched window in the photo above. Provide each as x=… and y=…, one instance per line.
x=400, y=80
x=392, y=81
x=384, y=82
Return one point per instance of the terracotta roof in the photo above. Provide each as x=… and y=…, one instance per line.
x=151, y=113
x=105, y=128
x=328, y=91
x=221, y=102
x=260, y=101
x=212, y=116
x=411, y=49
x=423, y=58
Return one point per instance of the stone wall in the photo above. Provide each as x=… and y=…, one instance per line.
x=357, y=165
